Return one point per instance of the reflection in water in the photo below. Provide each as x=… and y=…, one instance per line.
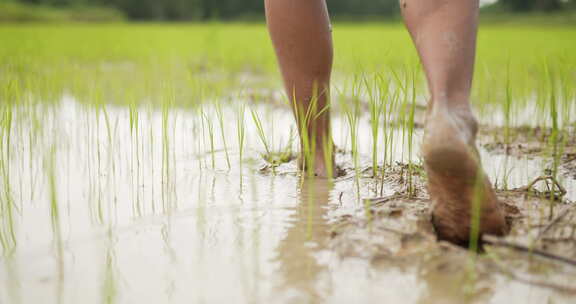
x=451, y=278
x=307, y=236
x=56, y=225
x=12, y=280
x=8, y=208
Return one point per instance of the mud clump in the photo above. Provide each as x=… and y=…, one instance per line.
x=396, y=231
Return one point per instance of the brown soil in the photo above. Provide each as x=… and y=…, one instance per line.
x=396, y=230
x=532, y=143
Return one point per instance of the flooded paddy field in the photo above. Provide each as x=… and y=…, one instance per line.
x=158, y=164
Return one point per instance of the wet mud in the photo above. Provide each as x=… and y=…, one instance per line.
x=396, y=231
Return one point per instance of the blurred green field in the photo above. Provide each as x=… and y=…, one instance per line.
x=15, y=12
x=124, y=63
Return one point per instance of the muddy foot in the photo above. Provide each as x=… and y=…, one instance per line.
x=456, y=180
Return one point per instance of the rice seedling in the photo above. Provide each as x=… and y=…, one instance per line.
x=7, y=204
x=55, y=215
x=306, y=144
x=165, y=137
x=390, y=110
x=33, y=139
x=408, y=90
x=261, y=134
x=507, y=107
x=152, y=161
x=135, y=134
x=327, y=150
x=352, y=114
x=241, y=136
x=206, y=121
x=307, y=122
x=410, y=127
x=376, y=99
x=166, y=168
x=221, y=121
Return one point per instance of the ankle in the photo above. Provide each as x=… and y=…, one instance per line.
x=459, y=110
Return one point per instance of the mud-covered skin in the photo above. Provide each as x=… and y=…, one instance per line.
x=456, y=178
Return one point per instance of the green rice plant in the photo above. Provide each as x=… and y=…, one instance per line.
x=402, y=85
x=197, y=135
x=306, y=120
x=410, y=127
x=152, y=161
x=89, y=142
x=55, y=219
x=135, y=134
x=53, y=198
x=169, y=194
x=274, y=156
x=390, y=109
x=552, y=102
x=307, y=145
x=99, y=105
x=506, y=173
x=328, y=150
x=7, y=205
x=221, y=120
x=567, y=90
x=556, y=139
x=166, y=106
x=110, y=131
x=261, y=133
x=173, y=192
x=376, y=106
x=507, y=107
x=408, y=89
x=35, y=126
x=310, y=121
x=202, y=142
x=241, y=134
x=210, y=128
x=327, y=144
x=352, y=114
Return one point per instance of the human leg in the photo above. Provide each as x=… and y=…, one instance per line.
x=444, y=33
x=300, y=32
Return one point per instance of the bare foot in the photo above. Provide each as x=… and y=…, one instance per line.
x=455, y=177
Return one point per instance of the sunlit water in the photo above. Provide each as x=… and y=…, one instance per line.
x=106, y=212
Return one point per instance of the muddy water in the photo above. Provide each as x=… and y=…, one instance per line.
x=108, y=211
